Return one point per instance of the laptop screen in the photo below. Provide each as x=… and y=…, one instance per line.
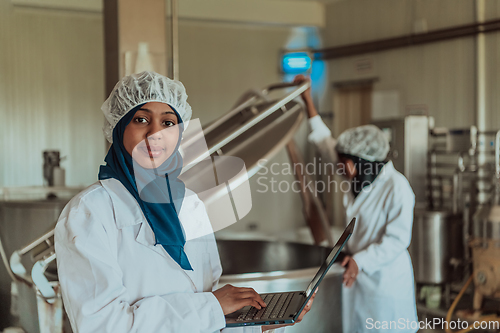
x=331, y=258
x=322, y=269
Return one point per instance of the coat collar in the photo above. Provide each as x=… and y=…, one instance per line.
x=126, y=209
x=386, y=172
x=128, y=213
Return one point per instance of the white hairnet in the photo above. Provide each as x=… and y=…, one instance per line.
x=141, y=88
x=367, y=142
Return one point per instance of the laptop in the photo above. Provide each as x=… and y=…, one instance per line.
x=285, y=308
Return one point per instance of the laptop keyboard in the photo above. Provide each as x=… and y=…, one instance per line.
x=276, y=307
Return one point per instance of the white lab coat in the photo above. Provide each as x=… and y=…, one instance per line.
x=384, y=289
x=114, y=279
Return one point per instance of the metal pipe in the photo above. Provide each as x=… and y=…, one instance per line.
x=496, y=195
x=5, y=261
x=431, y=174
x=461, y=31
x=42, y=239
x=175, y=39
x=466, y=227
x=480, y=68
x=474, y=135
x=455, y=192
x=497, y=155
x=481, y=120
x=458, y=185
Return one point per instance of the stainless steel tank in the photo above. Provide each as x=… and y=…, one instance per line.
x=21, y=221
x=437, y=238
x=278, y=266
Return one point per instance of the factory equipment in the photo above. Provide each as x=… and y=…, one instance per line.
x=436, y=246
x=53, y=174
x=36, y=297
x=450, y=186
x=235, y=134
x=25, y=214
x=434, y=249
x=485, y=243
x=456, y=229
x=440, y=230
x=408, y=140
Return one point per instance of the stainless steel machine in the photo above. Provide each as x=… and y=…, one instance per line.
x=25, y=214
x=456, y=230
x=442, y=168
x=53, y=174
x=437, y=245
x=408, y=139
x=485, y=242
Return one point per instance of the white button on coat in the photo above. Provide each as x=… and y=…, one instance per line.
x=114, y=279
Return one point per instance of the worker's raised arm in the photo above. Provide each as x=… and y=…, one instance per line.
x=306, y=96
x=320, y=135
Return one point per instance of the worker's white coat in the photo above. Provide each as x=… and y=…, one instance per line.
x=114, y=279
x=384, y=289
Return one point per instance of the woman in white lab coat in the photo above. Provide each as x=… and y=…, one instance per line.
x=126, y=258
x=379, y=290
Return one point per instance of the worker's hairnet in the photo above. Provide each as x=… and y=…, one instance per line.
x=367, y=142
x=140, y=88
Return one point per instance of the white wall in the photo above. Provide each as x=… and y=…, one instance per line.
x=219, y=62
x=51, y=89
x=439, y=75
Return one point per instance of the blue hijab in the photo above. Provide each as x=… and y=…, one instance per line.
x=161, y=199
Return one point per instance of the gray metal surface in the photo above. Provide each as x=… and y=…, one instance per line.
x=408, y=139
x=487, y=222
x=20, y=223
x=278, y=266
x=487, y=217
x=251, y=117
x=437, y=238
x=459, y=140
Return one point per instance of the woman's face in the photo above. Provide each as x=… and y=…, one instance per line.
x=152, y=135
x=347, y=165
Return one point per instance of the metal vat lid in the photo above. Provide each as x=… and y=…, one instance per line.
x=255, y=130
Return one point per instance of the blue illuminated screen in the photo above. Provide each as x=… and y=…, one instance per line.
x=295, y=63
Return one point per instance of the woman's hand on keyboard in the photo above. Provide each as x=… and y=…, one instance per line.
x=234, y=298
x=307, y=308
